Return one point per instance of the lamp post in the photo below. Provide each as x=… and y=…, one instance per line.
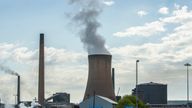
x=137, y=83
x=18, y=90
x=187, y=64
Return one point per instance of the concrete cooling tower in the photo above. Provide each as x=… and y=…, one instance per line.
x=99, y=77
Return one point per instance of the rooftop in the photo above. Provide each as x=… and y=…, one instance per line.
x=152, y=83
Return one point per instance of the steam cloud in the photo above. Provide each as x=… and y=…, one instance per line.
x=86, y=18
x=7, y=70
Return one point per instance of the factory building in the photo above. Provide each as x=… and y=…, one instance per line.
x=98, y=102
x=152, y=93
x=59, y=100
x=61, y=97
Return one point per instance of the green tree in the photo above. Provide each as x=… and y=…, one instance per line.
x=129, y=100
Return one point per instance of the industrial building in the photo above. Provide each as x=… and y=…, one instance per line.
x=2, y=105
x=98, y=102
x=152, y=93
x=59, y=100
x=61, y=97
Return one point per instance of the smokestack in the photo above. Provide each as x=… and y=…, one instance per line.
x=41, y=71
x=99, y=78
x=113, y=78
x=11, y=72
x=18, y=90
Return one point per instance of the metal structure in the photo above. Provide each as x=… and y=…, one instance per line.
x=137, y=61
x=187, y=65
x=99, y=77
x=41, y=71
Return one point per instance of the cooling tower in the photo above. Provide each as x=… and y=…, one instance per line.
x=99, y=77
x=41, y=71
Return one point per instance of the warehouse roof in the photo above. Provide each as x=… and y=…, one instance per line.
x=102, y=98
x=107, y=99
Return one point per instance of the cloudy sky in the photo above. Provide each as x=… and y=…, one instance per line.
x=157, y=32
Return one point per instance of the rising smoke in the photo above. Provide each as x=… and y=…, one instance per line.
x=7, y=70
x=87, y=20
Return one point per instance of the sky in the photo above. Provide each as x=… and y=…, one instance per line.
x=157, y=32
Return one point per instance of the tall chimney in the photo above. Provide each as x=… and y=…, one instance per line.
x=113, y=78
x=41, y=71
x=99, y=78
x=18, y=90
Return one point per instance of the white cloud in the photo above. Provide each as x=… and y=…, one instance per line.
x=24, y=55
x=147, y=30
x=109, y=2
x=177, y=6
x=5, y=50
x=59, y=56
x=164, y=10
x=142, y=13
x=173, y=45
x=180, y=16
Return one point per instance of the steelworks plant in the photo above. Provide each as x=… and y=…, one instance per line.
x=99, y=77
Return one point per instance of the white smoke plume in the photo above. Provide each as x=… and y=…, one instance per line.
x=87, y=20
x=7, y=70
x=33, y=105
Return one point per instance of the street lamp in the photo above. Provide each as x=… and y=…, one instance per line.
x=187, y=64
x=137, y=83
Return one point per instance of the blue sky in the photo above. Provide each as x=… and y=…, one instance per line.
x=155, y=31
x=32, y=17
